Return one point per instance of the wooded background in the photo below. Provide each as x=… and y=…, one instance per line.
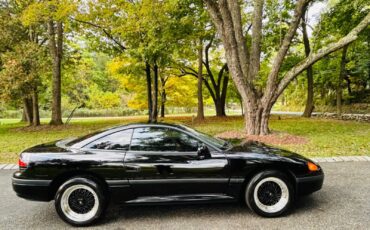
x=155, y=57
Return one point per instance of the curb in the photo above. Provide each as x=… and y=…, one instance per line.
x=8, y=166
x=340, y=159
x=315, y=159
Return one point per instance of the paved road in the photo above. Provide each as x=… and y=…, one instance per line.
x=343, y=203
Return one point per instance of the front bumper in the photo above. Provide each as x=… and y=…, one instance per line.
x=309, y=184
x=37, y=190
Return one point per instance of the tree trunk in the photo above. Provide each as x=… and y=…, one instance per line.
x=223, y=95
x=24, y=115
x=163, y=95
x=163, y=102
x=348, y=80
x=35, y=108
x=27, y=110
x=309, y=102
x=200, y=113
x=56, y=51
x=220, y=107
x=149, y=91
x=310, y=94
x=340, y=80
x=155, y=99
x=218, y=95
x=257, y=118
x=241, y=106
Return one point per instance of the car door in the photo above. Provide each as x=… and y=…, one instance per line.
x=108, y=152
x=164, y=161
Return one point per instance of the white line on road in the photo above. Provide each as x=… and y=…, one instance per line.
x=9, y=166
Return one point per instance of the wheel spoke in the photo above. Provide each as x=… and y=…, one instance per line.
x=81, y=201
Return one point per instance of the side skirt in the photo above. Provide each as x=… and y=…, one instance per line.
x=181, y=199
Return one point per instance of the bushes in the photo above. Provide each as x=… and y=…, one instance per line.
x=118, y=112
x=11, y=114
x=103, y=112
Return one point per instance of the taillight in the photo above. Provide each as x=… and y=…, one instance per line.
x=22, y=164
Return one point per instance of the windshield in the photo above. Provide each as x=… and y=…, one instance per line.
x=219, y=143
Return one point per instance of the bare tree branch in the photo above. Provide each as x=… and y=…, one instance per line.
x=222, y=19
x=207, y=64
x=240, y=38
x=210, y=90
x=272, y=77
x=221, y=74
x=215, y=14
x=256, y=38
x=105, y=31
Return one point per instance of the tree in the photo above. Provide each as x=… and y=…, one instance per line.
x=53, y=14
x=344, y=14
x=200, y=111
x=21, y=76
x=218, y=86
x=307, y=49
x=24, y=59
x=12, y=32
x=150, y=30
x=133, y=90
x=215, y=77
x=56, y=52
x=244, y=60
x=342, y=75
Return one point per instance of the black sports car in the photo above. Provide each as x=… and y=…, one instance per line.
x=165, y=163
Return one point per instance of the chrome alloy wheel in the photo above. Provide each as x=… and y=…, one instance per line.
x=79, y=203
x=271, y=195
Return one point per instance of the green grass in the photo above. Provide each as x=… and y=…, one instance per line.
x=325, y=137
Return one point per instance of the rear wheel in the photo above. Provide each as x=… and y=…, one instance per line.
x=269, y=193
x=80, y=201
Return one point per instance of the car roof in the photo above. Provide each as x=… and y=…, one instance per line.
x=108, y=131
x=147, y=124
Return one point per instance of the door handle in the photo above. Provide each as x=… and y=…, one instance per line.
x=133, y=169
x=164, y=170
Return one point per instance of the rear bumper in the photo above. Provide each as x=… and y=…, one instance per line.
x=37, y=190
x=309, y=184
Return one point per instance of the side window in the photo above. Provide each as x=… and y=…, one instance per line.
x=182, y=141
x=115, y=141
x=162, y=139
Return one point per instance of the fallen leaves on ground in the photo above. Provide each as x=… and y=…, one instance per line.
x=275, y=138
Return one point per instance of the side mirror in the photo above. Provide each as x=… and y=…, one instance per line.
x=203, y=152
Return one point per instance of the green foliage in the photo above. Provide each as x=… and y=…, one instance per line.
x=86, y=82
x=107, y=43
x=22, y=71
x=37, y=12
x=11, y=29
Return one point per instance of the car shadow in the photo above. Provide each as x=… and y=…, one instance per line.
x=156, y=212
x=212, y=210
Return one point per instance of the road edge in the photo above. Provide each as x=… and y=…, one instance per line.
x=315, y=159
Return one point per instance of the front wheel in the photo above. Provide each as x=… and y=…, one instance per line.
x=269, y=193
x=80, y=201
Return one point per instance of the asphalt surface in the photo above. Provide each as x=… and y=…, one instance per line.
x=343, y=203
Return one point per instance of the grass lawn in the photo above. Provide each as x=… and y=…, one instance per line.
x=324, y=137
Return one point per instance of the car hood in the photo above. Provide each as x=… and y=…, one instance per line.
x=260, y=151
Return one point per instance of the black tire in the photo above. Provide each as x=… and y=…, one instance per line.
x=269, y=193
x=87, y=207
